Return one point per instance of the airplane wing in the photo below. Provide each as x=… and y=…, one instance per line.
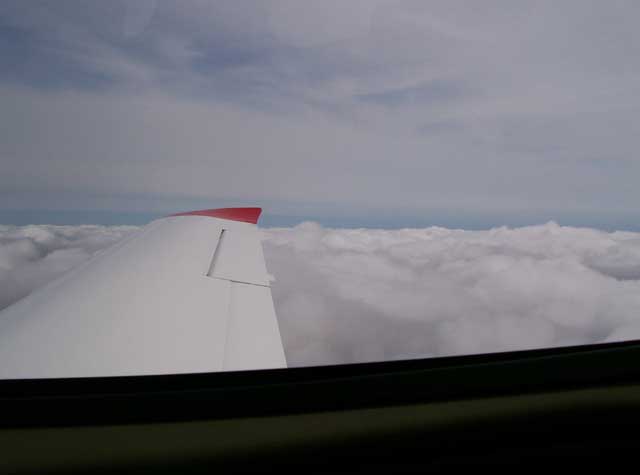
x=187, y=293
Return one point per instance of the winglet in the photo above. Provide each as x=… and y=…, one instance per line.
x=245, y=215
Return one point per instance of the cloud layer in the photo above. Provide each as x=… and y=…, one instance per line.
x=357, y=295
x=363, y=295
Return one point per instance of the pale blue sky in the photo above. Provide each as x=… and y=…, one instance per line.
x=376, y=113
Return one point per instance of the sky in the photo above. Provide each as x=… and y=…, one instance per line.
x=351, y=113
x=357, y=295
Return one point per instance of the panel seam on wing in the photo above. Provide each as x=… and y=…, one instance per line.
x=241, y=282
x=228, y=329
x=216, y=253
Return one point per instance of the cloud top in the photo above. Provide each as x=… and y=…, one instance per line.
x=360, y=295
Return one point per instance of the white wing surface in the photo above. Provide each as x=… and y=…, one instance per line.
x=187, y=293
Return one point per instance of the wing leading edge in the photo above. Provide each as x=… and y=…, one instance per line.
x=187, y=293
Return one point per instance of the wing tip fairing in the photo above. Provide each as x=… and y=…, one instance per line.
x=244, y=215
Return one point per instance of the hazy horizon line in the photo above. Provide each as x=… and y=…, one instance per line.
x=462, y=220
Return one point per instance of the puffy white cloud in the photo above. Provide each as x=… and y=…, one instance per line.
x=357, y=295
x=348, y=295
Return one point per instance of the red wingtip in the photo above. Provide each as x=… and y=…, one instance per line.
x=245, y=215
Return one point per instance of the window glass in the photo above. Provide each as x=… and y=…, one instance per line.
x=437, y=178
